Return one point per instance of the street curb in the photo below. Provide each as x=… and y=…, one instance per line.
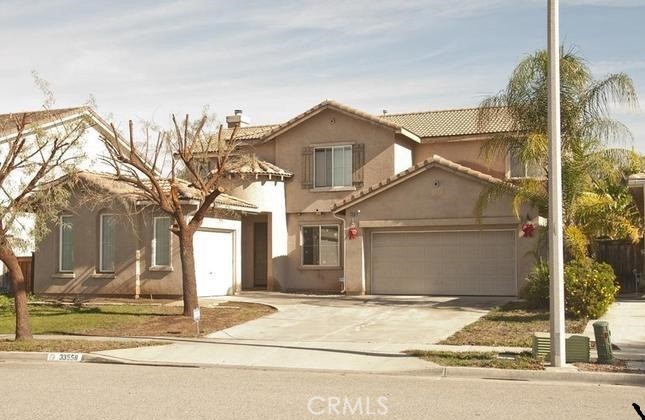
x=574, y=376
x=598, y=378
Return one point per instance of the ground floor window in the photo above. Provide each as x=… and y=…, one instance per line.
x=320, y=245
x=107, y=243
x=66, y=246
x=161, y=242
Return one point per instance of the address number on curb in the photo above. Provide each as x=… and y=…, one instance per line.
x=64, y=357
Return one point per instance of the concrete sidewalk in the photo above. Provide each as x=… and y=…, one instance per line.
x=626, y=318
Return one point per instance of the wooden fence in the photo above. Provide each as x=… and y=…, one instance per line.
x=27, y=267
x=624, y=257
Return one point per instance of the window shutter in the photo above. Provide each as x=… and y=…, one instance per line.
x=307, y=167
x=358, y=161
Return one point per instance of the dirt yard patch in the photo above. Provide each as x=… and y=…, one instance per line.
x=511, y=325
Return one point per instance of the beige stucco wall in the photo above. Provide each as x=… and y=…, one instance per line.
x=269, y=196
x=300, y=278
x=132, y=233
x=264, y=151
x=436, y=199
x=465, y=152
x=332, y=127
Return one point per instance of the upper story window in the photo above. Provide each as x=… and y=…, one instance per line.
x=161, y=247
x=333, y=166
x=66, y=245
x=107, y=243
x=326, y=167
x=520, y=169
x=320, y=245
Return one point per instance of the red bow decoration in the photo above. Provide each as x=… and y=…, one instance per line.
x=352, y=232
x=527, y=230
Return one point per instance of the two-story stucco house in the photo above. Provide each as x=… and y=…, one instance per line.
x=380, y=205
x=338, y=200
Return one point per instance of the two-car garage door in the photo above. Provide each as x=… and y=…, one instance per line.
x=444, y=263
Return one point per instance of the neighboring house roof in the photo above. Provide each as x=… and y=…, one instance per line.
x=636, y=180
x=111, y=184
x=451, y=122
x=407, y=174
x=52, y=117
x=35, y=118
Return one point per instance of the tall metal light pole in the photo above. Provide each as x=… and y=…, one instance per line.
x=556, y=253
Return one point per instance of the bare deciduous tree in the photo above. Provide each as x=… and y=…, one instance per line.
x=31, y=158
x=153, y=168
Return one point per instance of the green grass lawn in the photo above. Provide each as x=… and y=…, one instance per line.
x=130, y=319
x=479, y=359
x=510, y=325
x=74, y=346
x=45, y=319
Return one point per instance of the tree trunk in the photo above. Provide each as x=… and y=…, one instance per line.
x=23, y=332
x=189, y=281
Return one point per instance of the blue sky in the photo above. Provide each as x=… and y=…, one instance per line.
x=274, y=59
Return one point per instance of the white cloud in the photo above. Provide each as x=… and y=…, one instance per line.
x=274, y=59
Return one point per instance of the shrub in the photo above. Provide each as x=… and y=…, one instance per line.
x=536, y=291
x=589, y=288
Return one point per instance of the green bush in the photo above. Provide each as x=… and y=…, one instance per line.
x=536, y=291
x=589, y=288
x=6, y=301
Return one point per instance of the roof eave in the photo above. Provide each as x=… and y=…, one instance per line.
x=409, y=134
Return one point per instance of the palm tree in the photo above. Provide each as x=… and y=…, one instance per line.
x=595, y=201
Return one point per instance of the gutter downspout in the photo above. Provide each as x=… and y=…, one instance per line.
x=342, y=219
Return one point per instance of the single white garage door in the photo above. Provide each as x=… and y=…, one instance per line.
x=444, y=263
x=214, y=262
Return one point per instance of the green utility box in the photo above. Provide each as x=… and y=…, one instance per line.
x=603, y=342
x=577, y=347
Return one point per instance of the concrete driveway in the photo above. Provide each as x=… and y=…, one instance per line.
x=383, y=321
x=366, y=333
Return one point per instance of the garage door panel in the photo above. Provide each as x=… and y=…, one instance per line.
x=444, y=262
x=214, y=262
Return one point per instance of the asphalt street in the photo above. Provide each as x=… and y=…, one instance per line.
x=64, y=390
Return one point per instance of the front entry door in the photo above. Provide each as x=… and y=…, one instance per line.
x=260, y=254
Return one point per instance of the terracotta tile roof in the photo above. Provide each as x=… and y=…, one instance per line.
x=33, y=118
x=110, y=184
x=251, y=132
x=260, y=167
x=450, y=122
x=428, y=124
x=408, y=173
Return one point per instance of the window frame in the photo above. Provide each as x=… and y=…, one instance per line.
x=101, y=270
x=60, y=243
x=331, y=147
x=153, y=261
x=525, y=175
x=320, y=226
